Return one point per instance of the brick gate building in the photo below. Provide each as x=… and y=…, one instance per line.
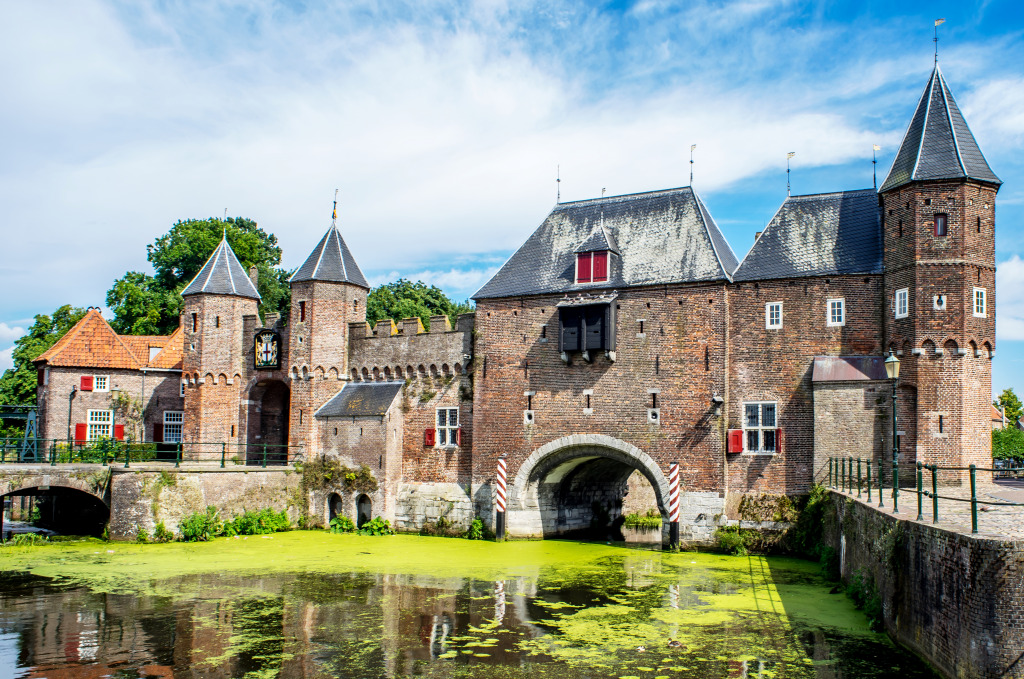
x=622, y=336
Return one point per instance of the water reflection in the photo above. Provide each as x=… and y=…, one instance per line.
x=631, y=616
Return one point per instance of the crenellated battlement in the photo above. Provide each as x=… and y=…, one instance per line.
x=405, y=349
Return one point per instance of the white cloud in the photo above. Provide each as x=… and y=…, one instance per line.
x=9, y=333
x=6, y=358
x=1009, y=302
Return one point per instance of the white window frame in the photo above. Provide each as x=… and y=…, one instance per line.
x=980, y=294
x=760, y=429
x=100, y=425
x=96, y=383
x=833, y=319
x=768, y=320
x=903, y=293
x=446, y=428
x=173, y=418
x=181, y=389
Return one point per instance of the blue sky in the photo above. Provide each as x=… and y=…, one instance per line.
x=443, y=123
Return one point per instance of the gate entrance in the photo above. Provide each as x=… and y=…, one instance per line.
x=268, y=423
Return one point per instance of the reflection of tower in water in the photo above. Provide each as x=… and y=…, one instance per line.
x=439, y=635
x=499, y=600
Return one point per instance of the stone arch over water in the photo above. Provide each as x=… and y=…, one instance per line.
x=554, y=491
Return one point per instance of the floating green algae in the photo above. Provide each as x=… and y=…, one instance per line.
x=347, y=605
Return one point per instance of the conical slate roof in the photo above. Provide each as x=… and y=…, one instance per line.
x=222, y=275
x=330, y=261
x=938, y=144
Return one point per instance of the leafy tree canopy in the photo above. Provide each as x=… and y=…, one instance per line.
x=1011, y=405
x=18, y=384
x=405, y=299
x=1008, y=444
x=146, y=304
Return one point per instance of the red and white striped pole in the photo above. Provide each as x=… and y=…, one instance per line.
x=673, y=505
x=500, y=496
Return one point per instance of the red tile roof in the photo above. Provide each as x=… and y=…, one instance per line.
x=92, y=343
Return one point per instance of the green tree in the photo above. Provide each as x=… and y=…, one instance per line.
x=405, y=299
x=1011, y=405
x=18, y=384
x=145, y=304
x=1008, y=444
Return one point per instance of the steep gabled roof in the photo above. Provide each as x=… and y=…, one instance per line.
x=818, y=235
x=91, y=343
x=938, y=144
x=330, y=261
x=222, y=274
x=661, y=237
x=361, y=399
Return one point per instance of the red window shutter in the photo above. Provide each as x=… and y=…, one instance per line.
x=600, y=266
x=735, y=441
x=119, y=432
x=778, y=440
x=86, y=383
x=429, y=437
x=39, y=376
x=583, y=267
x=81, y=433
x=158, y=432
x=458, y=436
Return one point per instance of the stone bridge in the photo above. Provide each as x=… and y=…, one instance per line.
x=140, y=497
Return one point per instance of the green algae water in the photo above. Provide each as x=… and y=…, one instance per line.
x=311, y=605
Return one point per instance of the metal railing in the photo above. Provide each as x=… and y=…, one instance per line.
x=110, y=451
x=841, y=477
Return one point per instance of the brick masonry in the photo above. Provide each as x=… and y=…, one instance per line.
x=954, y=599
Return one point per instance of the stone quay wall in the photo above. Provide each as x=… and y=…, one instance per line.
x=954, y=599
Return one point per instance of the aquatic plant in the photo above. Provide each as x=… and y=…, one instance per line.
x=342, y=524
x=257, y=523
x=201, y=526
x=161, y=534
x=142, y=535
x=27, y=540
x=442, y=528
x=649, y=521
x=377, y=526
x=732, y=540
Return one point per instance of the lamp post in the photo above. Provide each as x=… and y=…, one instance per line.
x=892, y=370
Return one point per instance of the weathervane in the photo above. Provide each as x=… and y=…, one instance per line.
x=788, y=156
x=692, y=147
x=936, y=38
x=558, y=183
x=334, y=212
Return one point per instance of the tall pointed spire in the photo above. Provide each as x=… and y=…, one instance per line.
x=222, y=274
x=938, y=144
x=331, y=260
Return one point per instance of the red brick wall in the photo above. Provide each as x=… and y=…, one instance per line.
x=775, y=365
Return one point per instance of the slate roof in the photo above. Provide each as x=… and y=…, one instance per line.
x=92, y=343
x=222, y=274
x=938, y=144
x=330, y=261
x=818, y=235
x=661, y=237
x=361, y=399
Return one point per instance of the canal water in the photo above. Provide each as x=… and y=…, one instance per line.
x=311, y=605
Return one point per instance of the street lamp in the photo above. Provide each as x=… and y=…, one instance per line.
x=892, y=370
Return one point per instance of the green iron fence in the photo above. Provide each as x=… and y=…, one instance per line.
x=841, y=476
x=109, y=451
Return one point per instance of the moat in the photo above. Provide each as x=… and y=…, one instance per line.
x=309, y=604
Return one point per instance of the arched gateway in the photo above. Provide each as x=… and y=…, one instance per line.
x=559, y=486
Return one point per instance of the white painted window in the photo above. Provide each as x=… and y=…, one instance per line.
x=181, y=390
x=980, y=309
x=101, y=423
x=902, y=303
x=447, y=427
x=172, y=426
x=837, y=312
x=760, y=427
x=100, y=383
x=773, y=315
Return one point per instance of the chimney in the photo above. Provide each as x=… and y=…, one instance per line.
x=757, y=234
x=254, y=276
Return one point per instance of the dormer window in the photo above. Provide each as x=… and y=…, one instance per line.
x=592, y=267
